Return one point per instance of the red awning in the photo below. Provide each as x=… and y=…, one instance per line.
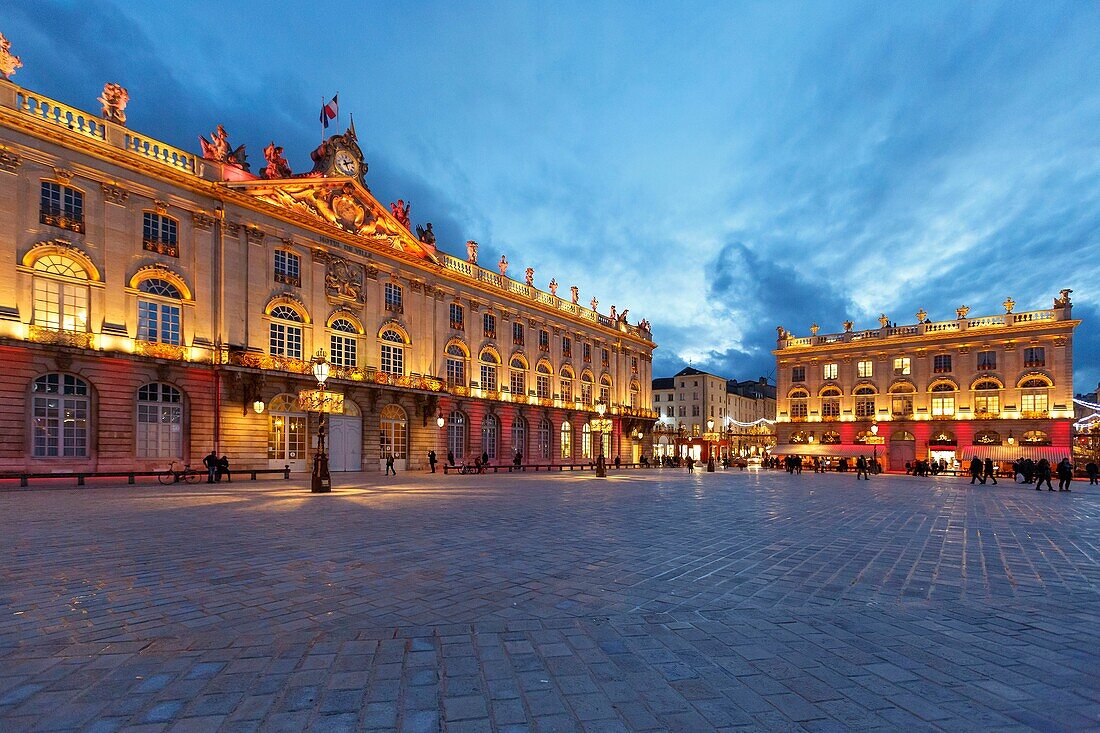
x=826, y=449
x=1010, y=453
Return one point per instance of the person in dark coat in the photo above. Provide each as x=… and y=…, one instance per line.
x=223, y=470
x=988, y=472
x=211, y=463
x=861, y=469
x=617, y=463
x=431, y=460
x=451, y=457
x=1065, y=474
x=484, y=458
x=389, y=465
x=1092, y=471
x=1042, y=473
x=976, y=470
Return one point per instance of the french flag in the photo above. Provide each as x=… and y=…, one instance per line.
x=328, y=111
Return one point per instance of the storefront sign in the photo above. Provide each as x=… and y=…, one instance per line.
x=318, y=400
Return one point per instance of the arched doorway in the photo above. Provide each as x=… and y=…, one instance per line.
x=394, y=437
x=345, y=439
x=286, y=433
x=902, y=450
x=490, y=435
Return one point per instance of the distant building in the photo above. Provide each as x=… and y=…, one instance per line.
x=686, y=402
x=997, y=387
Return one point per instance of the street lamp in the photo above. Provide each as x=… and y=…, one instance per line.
x=710, y=445
x=320, y=481
x=874, y=447
x=440, y=420
x=601, y=460
x=258, y=407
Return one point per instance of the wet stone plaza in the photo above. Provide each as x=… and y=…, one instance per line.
x=644, y=602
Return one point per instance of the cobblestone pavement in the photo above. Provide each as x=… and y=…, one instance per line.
x=656, y=601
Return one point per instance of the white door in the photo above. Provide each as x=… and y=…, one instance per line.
x=345, y=449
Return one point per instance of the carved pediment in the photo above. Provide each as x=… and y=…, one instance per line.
x=340, y=202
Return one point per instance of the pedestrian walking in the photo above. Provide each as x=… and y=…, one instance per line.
x=861, y=469
x=1092, y=471
x=1065, y=474
x=484, y=458
x=976, y=470
x=988, y=472
x=431, y=460
x=389, y=465
x=1042, y=473
x=211, y=463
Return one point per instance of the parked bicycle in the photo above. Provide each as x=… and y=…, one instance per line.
x=173, y=475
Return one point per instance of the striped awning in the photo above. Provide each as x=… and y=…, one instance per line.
x=826, y=449
x=1010, y=453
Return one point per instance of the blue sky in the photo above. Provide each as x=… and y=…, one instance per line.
x=717, y=168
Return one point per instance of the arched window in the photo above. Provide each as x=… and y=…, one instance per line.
x=830, y=403
x=542, y=380
x=455, y=364
x=343, y=344
x=566, y=380
x=987, y=398
x=542, y=438
x=635, y=391
x=285, y=332
x=392, y=352
x=902, y=435
x=901, y=399
x=943, y=399
x=61, y=409
x=566, y=440
x=490, y=434
x=1035, y=437
x=456, y=434
x=159, y=317
x=942, y=437
x=518, y=376
x=394, y=425
x=1035, y=396
x=159, y=421
x=286, y=429
x=799, y=404
x=519, y=436
x=60, y=294
x=987, y=437
x=489, y=369
x=586, y=389
x=586, y=441
x=865, y=401
x=605, y=390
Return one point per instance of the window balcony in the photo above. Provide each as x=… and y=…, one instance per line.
x=517, y=341
x=394, y=307
x=457, y=325
x=62, y=219
x=489, y=333
x=161, y=247
x=1035, y=414
x=287, y=279
x=1032, y=363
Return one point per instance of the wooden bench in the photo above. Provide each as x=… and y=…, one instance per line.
x=130, y=476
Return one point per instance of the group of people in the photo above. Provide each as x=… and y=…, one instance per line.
x=926, y=467
x=216, y=468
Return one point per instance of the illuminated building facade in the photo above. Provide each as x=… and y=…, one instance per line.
x=994, y=386
x=742, y=415
x=159, y=304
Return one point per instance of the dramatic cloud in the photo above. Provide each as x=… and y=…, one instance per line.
x=719, y=171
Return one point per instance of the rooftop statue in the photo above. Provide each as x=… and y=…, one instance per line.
x=595, y=303
x=622, y=316
x=1063, y=298
x=503, y=265
x=644, y=325
x=471, y=251
x=114, y=100
x=554, y=286
x=530, y=276
x=277, y=166
x=401, y=212
x=217, y=149
x=575, y=292
x=9, y=62
x=425, y=234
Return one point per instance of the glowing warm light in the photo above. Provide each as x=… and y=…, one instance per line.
x=874, y=428
x=258, y=406
x=440, y=420
x=321, y=368
x=601, y=408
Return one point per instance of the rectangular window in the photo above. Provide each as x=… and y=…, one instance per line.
x=829, y=371
x=695, y=410
x=456, y=372
x=987, y=404
x=941, y=364
x=830, y=408
x=392, y=359
x=943, y=405
x=865, y=407
x=159, y=234
x=62, y=207
x=566, y=347
x=605, y=358
x=489, y=377
x=544, y=340
x=458, y=317
x=60, y=306
x=517, y=382
x=634, y=364
x=865, y=369
x=683, y=411
x=542, y=386
x=1035, y=356
x=987, y=360
x=517, y=334
x=1033, y=402
x=158, y=322
x=586, y=392
x=60, y=426
x=798, y=408
x=393, y=298
x=285, y=340
x=566, y=390
x=902, y=366
x=288, y=268
x=343, y=350
x=586, y=350
x=798, y=374
x=489, y=326
x=668, y=411
x=901, y=405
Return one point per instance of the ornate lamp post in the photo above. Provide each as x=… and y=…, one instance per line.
x=321, y=481
x=681, y=432
x=710, y=445
x=874, y=433
x=601, y=460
